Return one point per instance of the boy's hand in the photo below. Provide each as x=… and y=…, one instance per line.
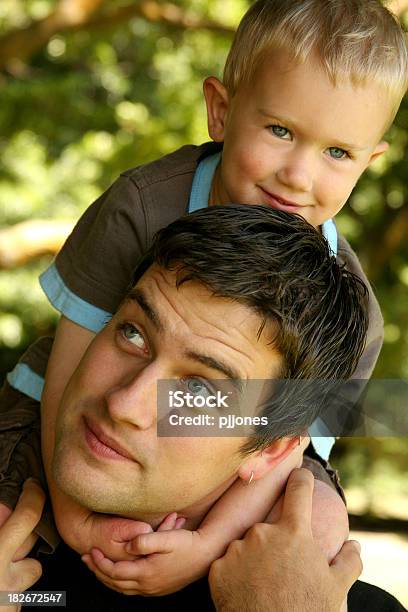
x=281, y=567
x=172, y=559
x=16, y=572
x=163, y=564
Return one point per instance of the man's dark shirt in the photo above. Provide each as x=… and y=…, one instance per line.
x=64, y=571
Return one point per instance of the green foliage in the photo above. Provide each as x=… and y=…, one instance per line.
x=85, y=108
x=95, y=102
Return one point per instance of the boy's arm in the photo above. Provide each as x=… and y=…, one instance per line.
x=20, y=454
x=246, y=504
x=70, y=343
x=329, y=514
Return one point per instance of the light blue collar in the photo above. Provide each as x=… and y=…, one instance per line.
x=200, y=190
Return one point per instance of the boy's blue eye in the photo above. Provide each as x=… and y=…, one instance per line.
x=279, y=131
x=337, y=153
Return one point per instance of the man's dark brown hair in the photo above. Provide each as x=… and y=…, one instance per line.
x=280, y=266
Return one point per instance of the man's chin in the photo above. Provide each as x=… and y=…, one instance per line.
x=79, y=483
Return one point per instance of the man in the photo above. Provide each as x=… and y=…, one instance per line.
x=233, y=293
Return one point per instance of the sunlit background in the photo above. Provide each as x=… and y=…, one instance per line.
x=90, y=88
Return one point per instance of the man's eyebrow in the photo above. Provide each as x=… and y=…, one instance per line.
x=216, y=364
x=291, y=124
x=137, y=295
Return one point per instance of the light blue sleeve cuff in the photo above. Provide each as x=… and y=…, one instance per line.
x=73, y=307
x=322, y=439
x=24, y=379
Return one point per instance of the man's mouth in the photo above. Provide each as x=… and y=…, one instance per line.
x=103, y=445
x=275, y=201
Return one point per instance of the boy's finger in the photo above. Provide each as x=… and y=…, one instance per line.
x=23, y=520
x=347, y=565
x=181, y=521
x=104, y=564
x=168, y=523
x=130, y=571
x=87, y=559
x=121, y=578
x=157, y=542
x=297, y=501
x=117, y=529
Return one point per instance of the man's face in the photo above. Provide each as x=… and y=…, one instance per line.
x=293, y=140
x=161, y=332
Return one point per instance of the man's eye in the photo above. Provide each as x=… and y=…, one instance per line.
x=337, y=153
x=196, y=386
x=280, y=131
x=133, y=335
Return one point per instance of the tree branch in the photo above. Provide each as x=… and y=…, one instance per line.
x=18, y=46
x=398, y=7
x=29, y=239
x=159, y=12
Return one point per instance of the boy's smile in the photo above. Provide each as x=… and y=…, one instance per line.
x=292, y=139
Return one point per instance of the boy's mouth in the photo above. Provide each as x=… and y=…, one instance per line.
x=275, y=201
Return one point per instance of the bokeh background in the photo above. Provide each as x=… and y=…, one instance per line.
x=90, y=88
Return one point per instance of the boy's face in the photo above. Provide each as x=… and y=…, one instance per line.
x=292, y=140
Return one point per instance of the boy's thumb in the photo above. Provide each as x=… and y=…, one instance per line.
x=149, y=543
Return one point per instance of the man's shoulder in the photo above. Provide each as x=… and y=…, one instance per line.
x=182, y=162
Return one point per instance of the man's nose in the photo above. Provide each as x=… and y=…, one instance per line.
x=297, y=171
x=134, y=399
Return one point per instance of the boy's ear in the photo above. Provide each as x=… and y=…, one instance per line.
x=216, y=99
x=261, y=462
x=379, y=150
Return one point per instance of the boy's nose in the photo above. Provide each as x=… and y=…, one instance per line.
x=134, y=399
x=296, y=173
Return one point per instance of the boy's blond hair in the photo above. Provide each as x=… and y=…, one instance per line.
x=356, y=39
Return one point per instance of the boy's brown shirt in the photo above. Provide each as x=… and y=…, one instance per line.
x=97, y=263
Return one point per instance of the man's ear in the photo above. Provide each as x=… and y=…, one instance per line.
x=216, y=99
x=261, y=462
x=379, y=150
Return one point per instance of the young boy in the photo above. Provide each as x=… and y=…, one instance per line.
x=309, y=89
